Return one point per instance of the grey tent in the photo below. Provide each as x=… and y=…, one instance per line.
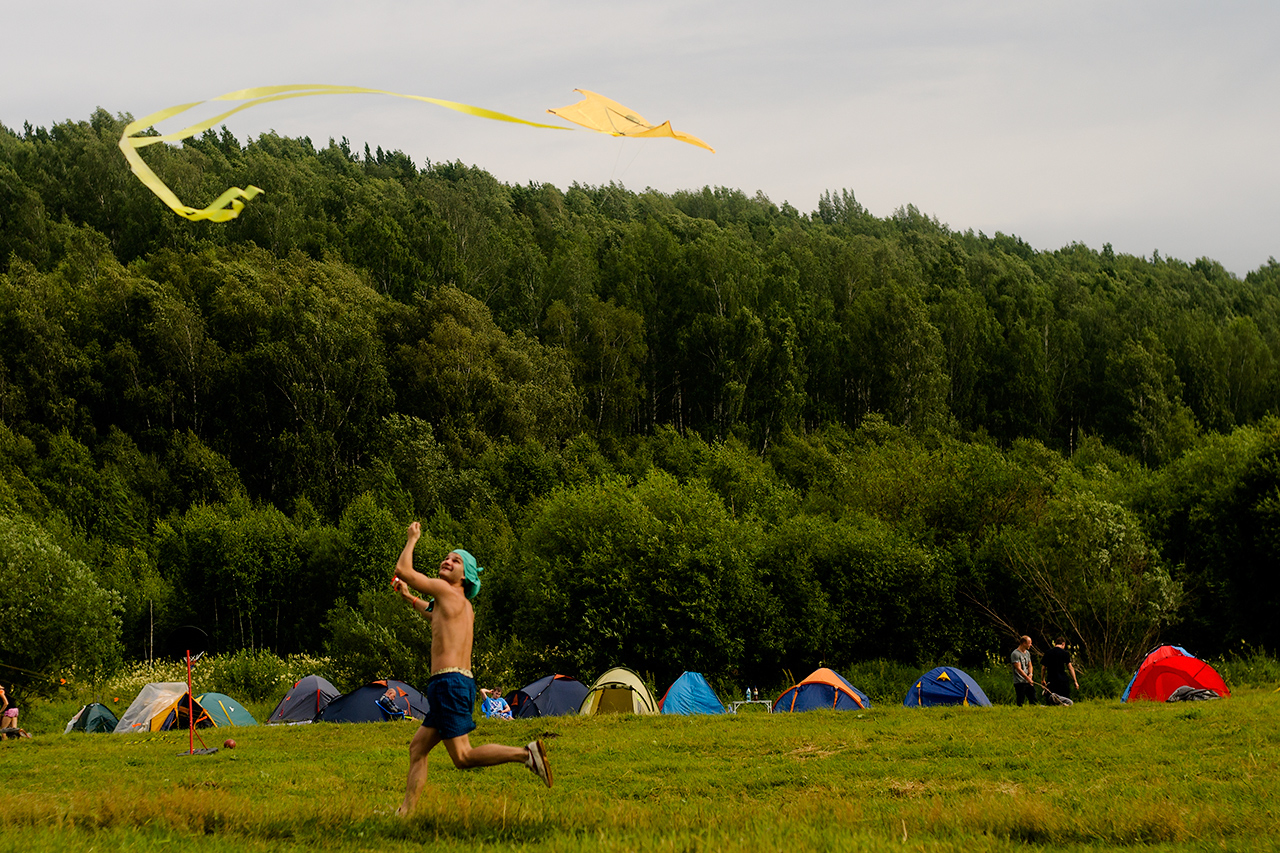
x=304, y=702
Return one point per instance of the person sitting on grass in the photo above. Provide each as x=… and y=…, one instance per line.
x=494, y=706
x=451, y=690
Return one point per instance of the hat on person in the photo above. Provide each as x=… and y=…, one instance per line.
x=470, y=573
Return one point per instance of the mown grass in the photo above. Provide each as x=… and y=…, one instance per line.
x=1100, y=776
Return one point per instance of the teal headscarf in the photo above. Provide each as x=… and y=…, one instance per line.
x=470, y=573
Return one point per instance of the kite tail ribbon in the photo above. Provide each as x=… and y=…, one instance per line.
x=228, y=205
x=596, y=113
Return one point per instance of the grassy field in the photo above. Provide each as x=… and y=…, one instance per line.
x=1100, y=775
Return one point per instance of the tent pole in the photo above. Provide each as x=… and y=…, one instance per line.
x=191, y=716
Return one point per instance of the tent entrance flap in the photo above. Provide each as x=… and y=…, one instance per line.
x=616, y=700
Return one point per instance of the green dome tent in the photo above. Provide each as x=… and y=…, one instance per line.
x=225, y=711
x=94, y=717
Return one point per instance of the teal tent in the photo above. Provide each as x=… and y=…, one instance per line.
x=225, y=711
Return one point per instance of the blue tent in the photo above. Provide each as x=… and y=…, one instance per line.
x=945, y=685
x=376, y=702
x=551, y=696
x=823, y=688
x=690, y=694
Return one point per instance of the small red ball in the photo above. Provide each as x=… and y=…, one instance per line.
x=229, y=743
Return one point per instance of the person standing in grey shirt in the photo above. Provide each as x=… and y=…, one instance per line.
x=1023, y=687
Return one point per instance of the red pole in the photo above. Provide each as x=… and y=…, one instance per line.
x=191, y=717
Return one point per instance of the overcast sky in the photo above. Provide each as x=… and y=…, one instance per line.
x=1152, y=125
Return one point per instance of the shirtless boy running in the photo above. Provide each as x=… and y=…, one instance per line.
x=451, y=691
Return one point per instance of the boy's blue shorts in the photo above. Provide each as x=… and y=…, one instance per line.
x=451, y=702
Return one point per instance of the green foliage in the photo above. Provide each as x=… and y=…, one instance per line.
x=1214, y=513
x=235, y=565
x=1249, y=667
x=252, y=676
x=381, y=637
x=657, y=577
x=59, y=620
x=884, y=681
x=246, y=674
x=698, y=415
x=1093, y=576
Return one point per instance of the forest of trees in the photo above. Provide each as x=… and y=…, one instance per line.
x=688, y=431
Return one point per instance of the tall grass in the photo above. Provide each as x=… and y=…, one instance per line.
x=1099, y=776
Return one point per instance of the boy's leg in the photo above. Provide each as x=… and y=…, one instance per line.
x=424, y=740
x=533, y=756
x=465, y=755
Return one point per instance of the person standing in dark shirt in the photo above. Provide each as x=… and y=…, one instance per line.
x=1057, y=667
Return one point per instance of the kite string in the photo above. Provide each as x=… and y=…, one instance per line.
x=616, y=160
x=639, y=149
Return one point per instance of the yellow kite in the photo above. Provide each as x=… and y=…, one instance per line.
x=605, y=116
x=598, y=113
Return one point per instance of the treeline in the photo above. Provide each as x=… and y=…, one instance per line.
x=691, y=431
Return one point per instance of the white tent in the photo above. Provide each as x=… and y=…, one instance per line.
x=618, y=691
x=154, y=698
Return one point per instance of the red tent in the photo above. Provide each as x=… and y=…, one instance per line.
x=1168, y=668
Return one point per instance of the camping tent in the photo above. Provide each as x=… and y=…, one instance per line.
x=175, y=716
x=548, y=697
x=1166, y=669
x=225, y=711
x=945, y=685
x=155, y=699
x=618, y=691
x=304, y=702
x=94, y=717
x=690, y=694
x=362, y=704
x=823, y=688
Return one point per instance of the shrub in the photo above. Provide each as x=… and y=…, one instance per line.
x=1249, y=668
x=247, y=674
x=381, y=639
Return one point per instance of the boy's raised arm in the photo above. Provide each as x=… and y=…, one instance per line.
x=408, y=574
x=404, y=564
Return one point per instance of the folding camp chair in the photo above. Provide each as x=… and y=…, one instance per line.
x=388, y=705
